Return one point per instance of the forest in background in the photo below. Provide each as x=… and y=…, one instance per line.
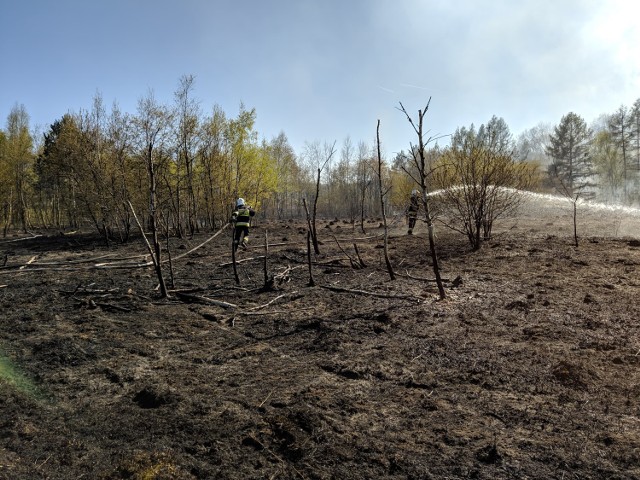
x=183, y=168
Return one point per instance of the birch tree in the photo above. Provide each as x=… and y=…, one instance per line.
x=18, y=155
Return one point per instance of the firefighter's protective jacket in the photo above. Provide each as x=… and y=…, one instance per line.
x=241, y=216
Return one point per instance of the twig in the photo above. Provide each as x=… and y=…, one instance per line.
x=355, y=247
x=351, y=261
x=264, y=447
x=265, y=400
x=31, y=260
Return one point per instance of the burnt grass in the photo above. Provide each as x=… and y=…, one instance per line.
x=528, y=369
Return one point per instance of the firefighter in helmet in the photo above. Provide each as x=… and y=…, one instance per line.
x=241, y=219
x=412, y=211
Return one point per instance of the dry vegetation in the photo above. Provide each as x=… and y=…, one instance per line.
x=528, y=369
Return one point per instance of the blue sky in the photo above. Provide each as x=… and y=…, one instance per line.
x=323, y=70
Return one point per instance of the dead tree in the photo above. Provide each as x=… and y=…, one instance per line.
x=310, y=224
x=383, y=191
x=573, y=194
x=311, y=219
x=233, y=255
x=312, y=283
x=363, y=181
x=419, y=159
x=154, y=254
x=269, y=280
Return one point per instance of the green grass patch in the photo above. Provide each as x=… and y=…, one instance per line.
x=11, y=376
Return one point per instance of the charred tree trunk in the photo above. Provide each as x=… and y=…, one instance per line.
x=233, y=255
x=421, y=164
x=311, y=227
x=153, y=224
x=383, y=192
x=311, y=281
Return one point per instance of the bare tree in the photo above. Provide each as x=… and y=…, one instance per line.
x=363, y=179
x=574, y=195
x=187, y=112
x=321, y=158
x=153, y=122
x=419, y=159
x=383, y=189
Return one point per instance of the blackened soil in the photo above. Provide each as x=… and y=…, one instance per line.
x=529, y=368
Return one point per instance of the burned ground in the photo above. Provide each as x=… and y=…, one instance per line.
x=528, y=369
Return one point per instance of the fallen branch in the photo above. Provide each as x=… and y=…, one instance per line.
x=242, y=261
x=259, y=307
x=31, y=260
x=335, y=262
x=89, y=260
x=21, y=239
x=88, y=291
x=274, y=312
x=353, y=263
x=200, y=299
x=422, y=278
x=283, y=276
x=110, y=306
x=186, y=290
x=371, y=294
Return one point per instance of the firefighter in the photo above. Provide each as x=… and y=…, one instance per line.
x=412, y=211
x=241, y=219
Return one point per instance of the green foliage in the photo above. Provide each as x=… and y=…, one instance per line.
x=17, y=170
x=569, y=147
x=608, y=163
x=479, y=180
x=621, y=125
x=12, y=377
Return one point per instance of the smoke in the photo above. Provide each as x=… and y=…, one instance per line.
x=549, y=214
x=594, y=219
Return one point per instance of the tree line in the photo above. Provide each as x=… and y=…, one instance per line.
x=182, y=169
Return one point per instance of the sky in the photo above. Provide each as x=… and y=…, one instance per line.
x=322, y=71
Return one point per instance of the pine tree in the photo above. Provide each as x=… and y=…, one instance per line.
x=569, y=148
x=620, y=125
